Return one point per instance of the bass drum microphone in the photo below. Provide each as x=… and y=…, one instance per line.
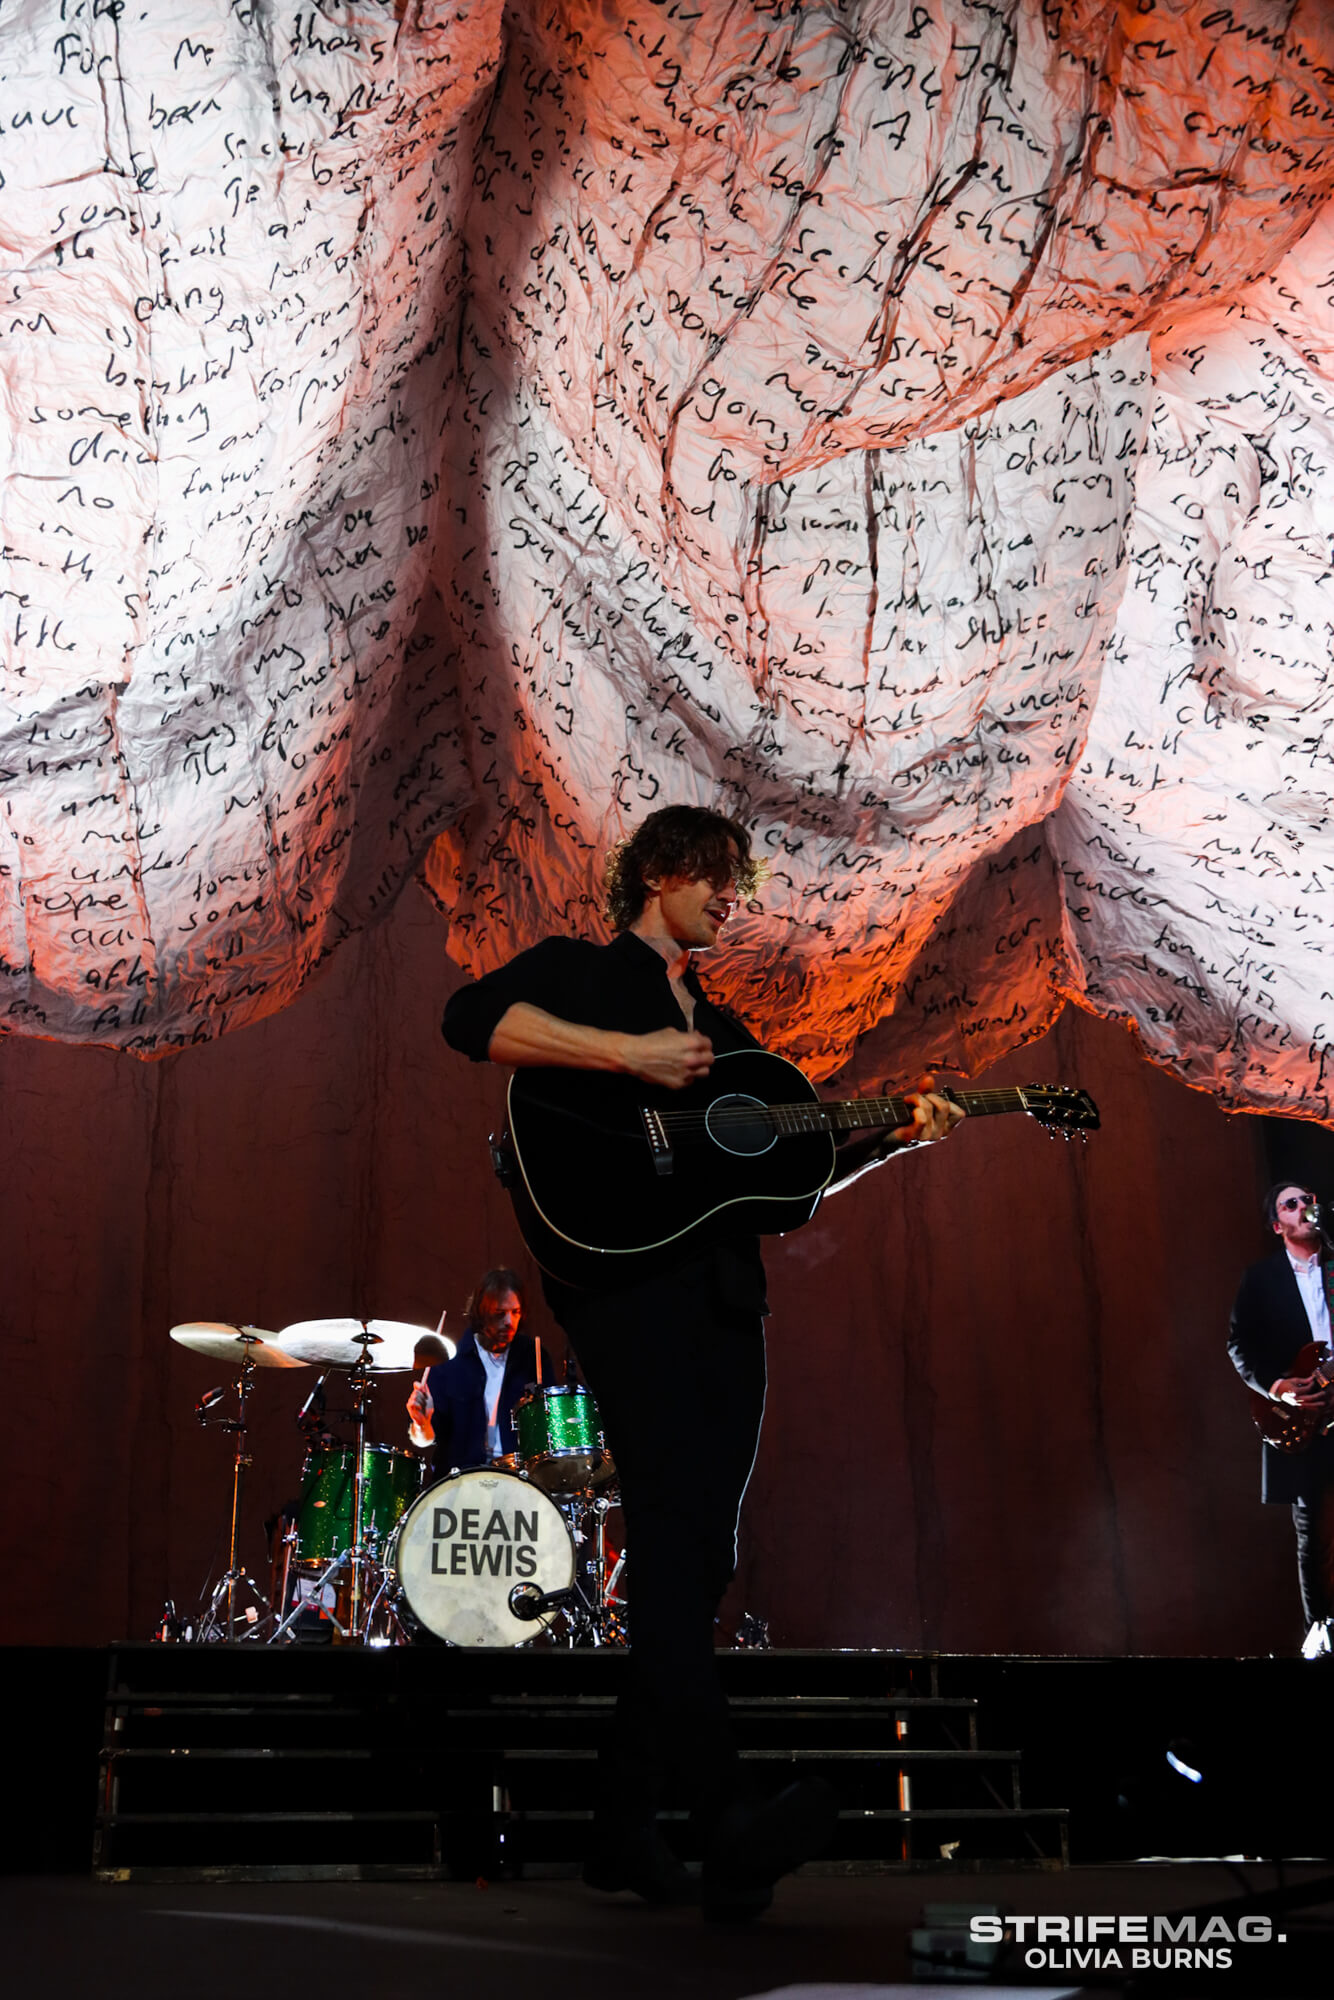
x=527, y=1602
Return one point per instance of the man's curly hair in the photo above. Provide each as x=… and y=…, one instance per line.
x=689, y=842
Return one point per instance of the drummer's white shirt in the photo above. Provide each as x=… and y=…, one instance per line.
x=494, y=1365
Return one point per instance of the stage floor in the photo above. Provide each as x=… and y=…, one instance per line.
x=510, y=1941
x=1093, y=1736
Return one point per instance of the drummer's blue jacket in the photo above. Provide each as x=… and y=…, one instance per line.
x=458, y=1390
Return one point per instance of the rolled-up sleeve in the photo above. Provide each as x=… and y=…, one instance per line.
x=542, y=977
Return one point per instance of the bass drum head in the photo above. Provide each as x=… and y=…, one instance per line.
x=465, y=1544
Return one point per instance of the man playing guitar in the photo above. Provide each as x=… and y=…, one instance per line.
x=635, y=1009
x=1280, y=1346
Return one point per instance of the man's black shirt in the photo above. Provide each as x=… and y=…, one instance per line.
x=621, y=986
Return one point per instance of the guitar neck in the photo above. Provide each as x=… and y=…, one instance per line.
x=852, y=1114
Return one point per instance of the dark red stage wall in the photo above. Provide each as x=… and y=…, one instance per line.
x=1000, y=1414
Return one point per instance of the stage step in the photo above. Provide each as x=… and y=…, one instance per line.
x=241, y=1760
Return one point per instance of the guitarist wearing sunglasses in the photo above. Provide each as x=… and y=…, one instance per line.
x=1280, y=1346
x=687, y=1316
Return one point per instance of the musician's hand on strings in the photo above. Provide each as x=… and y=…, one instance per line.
x=1302, y=1392
x=934, y=1116
x=669, y=1056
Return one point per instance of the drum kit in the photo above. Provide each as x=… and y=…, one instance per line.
x=494, y=1555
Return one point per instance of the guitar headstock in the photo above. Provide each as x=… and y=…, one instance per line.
x=1060, y=1108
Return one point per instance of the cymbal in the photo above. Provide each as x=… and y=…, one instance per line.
x=218, y=1341
x=336, y=1343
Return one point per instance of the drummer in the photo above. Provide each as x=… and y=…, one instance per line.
x=465, y=1407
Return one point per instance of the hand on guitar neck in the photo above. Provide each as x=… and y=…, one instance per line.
x=933, y=1116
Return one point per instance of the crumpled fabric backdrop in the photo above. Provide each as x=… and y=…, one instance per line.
x=436, y=435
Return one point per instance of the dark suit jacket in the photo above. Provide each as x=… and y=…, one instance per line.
x=458, y=1390
x=1269, y=1327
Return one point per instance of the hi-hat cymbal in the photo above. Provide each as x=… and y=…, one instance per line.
x=337, y=1343
x=218, y=1341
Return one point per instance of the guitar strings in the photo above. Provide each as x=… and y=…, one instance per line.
x=848, y=1113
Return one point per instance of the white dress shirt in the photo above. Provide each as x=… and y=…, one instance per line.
x=1311, y=1284
x=494, y=1365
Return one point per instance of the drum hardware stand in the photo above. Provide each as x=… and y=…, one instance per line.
x=609, y=1626
x=259, y=1611
x=172, y=1630
x=395, y=1632
x=592, y=1615
x=314, y=1598
x=356, y=1557
x=288, y=1544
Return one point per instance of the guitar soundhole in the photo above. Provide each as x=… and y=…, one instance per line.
x=740, y=1125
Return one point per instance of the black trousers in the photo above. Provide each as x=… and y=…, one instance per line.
x=678, y=1374
x=1313, y=1519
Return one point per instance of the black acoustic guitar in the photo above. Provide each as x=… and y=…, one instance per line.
x=611, y=1175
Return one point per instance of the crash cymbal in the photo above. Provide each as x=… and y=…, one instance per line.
x=337, y=1343
x=218, y=1341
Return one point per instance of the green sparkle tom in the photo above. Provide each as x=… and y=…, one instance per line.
x=560, y=1437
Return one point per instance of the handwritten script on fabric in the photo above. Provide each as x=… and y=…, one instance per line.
x=450, y=434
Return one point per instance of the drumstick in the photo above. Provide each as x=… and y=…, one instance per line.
x=538, y=1345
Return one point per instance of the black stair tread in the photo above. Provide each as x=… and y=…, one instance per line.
x=203, y=1753
x=211, y=1701
x=800, y=1703
x=331, y=1818
x=799, y=1707
x=851, y=1814
x=894, y=1752
x=284, y=1709
x=890, y=1752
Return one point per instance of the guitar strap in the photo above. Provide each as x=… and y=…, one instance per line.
x=1327, y=1274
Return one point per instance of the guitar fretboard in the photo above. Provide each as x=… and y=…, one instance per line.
x=847, y=1114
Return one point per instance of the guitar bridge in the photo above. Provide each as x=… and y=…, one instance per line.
x=659, y=1145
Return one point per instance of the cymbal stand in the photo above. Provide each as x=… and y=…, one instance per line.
x=355, y=1557
x=237, y=1578
x=359, y=1381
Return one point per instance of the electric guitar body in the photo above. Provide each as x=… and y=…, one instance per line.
x=1282, y=1425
